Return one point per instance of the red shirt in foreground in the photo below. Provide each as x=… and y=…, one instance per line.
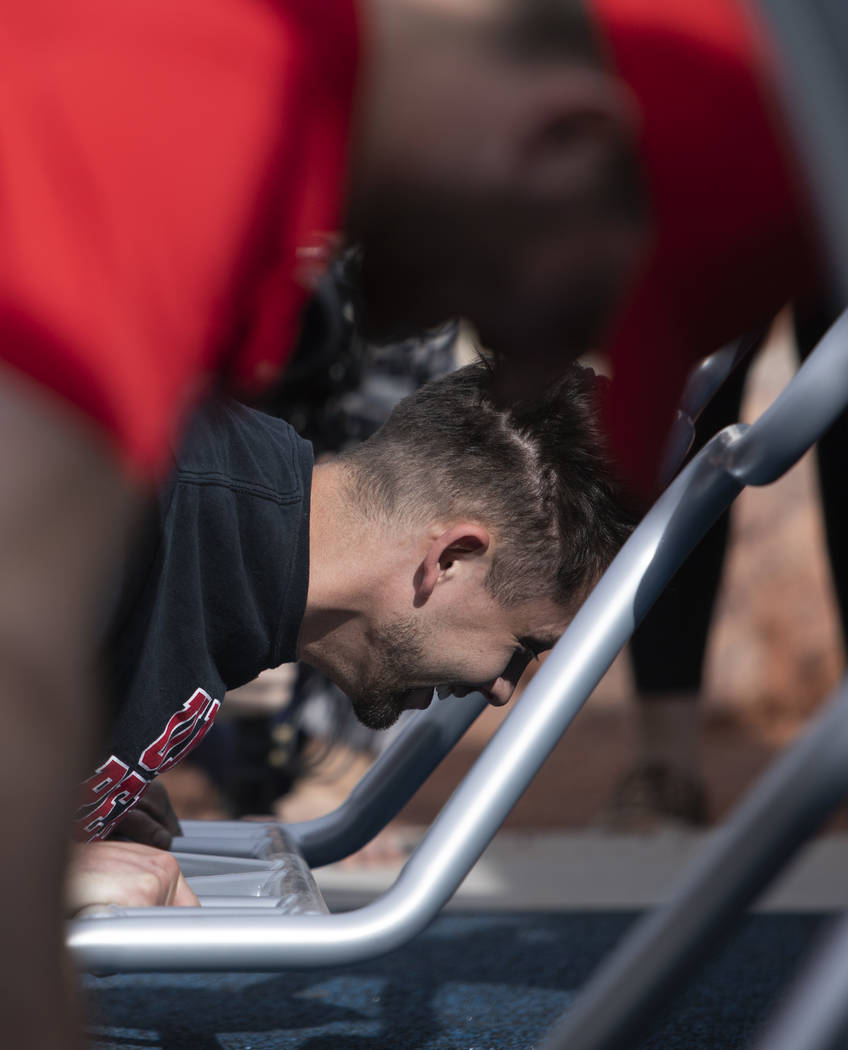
x=732, y=240
x=163, y=166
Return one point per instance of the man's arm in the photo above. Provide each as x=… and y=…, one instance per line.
x=65, y=511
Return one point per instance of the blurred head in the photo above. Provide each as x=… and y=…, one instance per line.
x=494, y=175
x=496, y=523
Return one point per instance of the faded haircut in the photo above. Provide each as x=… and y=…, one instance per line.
x=536, y=473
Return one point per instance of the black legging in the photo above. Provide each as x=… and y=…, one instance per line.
x=667, y=650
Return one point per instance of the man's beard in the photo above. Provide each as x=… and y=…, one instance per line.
x=397, y=652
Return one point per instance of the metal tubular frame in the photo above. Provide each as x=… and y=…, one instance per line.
x=378, y=797
x=784, y=809
x=211, y=940
x=389, y=784
x=814, y=1015
x=703, y=383
x=174, y=939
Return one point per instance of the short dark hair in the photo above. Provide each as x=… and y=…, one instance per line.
x=536, y=472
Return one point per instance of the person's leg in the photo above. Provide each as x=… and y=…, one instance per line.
x=811, y=322
x=65, y=511
x=667, y=656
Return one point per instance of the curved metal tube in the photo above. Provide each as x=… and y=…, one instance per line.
x=379, y=796
x=704, y=382
x=182, y=939
x=171, y=939
x=813, y=1014
x=800, y=414
x=786, y=805
x=390, y=783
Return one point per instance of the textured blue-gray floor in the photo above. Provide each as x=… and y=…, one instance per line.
x=489, y=981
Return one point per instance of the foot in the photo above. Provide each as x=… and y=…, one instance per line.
x=656, y=793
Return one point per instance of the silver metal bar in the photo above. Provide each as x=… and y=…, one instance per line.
x=276, y=869
x=704, y=381
x=169, y=939
x=814, y=398
x=813, y=1015
x=390, y=782
x=379, y=796
x=787, y=805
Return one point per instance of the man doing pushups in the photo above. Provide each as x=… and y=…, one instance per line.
x=445, y=552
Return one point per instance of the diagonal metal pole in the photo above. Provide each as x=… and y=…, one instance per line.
x=784, y=809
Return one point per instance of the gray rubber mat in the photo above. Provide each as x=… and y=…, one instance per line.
x=482, y=981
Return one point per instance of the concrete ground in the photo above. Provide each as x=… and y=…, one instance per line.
x=588, y=869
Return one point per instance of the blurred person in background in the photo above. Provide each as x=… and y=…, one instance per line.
x=627, y=179
x=668, y=649
x=170, y=191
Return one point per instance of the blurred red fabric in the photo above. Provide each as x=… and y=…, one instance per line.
x=162, y=167
x=733, y=236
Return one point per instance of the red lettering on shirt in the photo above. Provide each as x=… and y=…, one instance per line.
x=183, y=733
x=116, y=804
x=107, y=776
x=113, y=789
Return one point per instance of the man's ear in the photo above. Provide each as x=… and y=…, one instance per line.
x=574, y=118
x=459, y=542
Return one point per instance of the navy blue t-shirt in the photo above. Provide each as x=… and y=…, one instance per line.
x=216, y=595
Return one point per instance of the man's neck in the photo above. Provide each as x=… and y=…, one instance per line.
x=340, y=581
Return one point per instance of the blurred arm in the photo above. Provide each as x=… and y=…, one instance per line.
x=65, y=512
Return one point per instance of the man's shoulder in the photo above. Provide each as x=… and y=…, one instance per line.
x=228, y=444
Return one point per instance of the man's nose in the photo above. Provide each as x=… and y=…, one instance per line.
x=499, y=691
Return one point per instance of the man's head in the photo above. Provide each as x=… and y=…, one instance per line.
x=473, y=532
x=494, y=174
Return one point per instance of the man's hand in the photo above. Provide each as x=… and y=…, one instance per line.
x=126, y=874
x=152, y=820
